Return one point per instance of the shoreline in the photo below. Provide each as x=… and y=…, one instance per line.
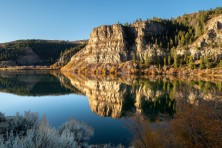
x=15, y=68
x=151, y=71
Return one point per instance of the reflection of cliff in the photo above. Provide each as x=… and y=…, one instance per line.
x=113, y=98
x=106, y=98
x=152, y=97
x=116, y=97
x=33, y=83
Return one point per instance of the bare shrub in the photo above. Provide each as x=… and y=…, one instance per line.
x=27, y=132
x=198, y=126
x=193, y=126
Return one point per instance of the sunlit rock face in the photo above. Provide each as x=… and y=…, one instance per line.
x=107, y=44
x=116, y=44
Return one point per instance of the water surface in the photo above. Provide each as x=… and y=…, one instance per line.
x=102, y=103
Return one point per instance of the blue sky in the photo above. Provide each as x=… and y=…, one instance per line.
x=74, y=19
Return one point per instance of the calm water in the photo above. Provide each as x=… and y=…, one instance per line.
x=102, y=103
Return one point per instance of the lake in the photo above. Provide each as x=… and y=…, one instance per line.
x=107, y=104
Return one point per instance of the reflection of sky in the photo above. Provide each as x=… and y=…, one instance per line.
x=58, y=109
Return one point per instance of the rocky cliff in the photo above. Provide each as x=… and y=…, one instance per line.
x=110, y=46
x=125, y=49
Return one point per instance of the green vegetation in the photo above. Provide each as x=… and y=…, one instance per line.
x=179, y=33
x=49, y=51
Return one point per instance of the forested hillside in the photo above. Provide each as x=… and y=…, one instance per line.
x=45, y=52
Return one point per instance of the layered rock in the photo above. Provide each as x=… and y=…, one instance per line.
x=111, y=46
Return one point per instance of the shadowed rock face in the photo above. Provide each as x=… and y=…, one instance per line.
x=150, y=97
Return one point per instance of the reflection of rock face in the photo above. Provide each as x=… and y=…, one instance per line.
x=106, y=98
x=118, y=96
x=195, y=94
x=115, y=98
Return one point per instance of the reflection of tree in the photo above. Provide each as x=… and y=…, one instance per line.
x=34, y=84
x=163, y=104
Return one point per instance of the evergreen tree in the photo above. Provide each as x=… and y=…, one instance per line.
x=147, y=60
x=169, y=60
x=175, y=59
x=191, y=63
x=207, y=62
x=165, y=61
x=134, y=58
x=202, y=66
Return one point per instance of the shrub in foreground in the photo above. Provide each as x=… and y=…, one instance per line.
x=26, y=131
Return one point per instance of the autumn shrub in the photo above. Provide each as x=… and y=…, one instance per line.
x=193, y=126
x=113, y=70
x=197, y=126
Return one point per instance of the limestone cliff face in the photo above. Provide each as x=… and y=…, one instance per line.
x=116, y=44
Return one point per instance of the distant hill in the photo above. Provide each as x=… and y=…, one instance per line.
x=34, y=52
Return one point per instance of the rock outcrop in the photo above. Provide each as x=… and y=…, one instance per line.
x=111, y=46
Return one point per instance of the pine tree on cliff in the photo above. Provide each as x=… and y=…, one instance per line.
x=207, y=61
x=191, y=63
x=147, y=60
x=202, y=62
